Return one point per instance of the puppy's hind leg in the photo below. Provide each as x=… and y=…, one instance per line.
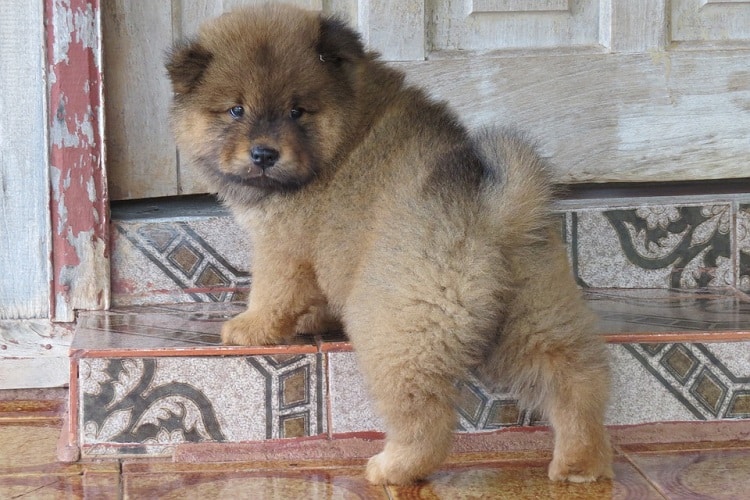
x=411, y=364
x=415, y=398
x=565, y=374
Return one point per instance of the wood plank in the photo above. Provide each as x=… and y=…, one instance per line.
x=35, y=354
x=79, y=208
x=141, y=155
x=611, y=117
x=395, y=27
x=24, y=174
x=634, y=26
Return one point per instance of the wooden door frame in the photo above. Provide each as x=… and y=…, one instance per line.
x=79, y=201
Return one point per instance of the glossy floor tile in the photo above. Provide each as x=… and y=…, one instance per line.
x=29, y=432
x=698, y=474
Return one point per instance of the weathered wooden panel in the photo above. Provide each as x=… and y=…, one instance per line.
x=80, y=205
x=634, y=26
x=612, y=117
x=34, y=354
x=141, y=154
x=705, y=21
x=487, y=26
x=560, y=68
x=395, y=27
x=24, y=178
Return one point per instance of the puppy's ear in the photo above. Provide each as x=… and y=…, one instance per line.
x=338, y=42
x=186, y=64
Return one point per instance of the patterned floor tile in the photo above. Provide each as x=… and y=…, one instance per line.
x=654, y=246
x=698, y=474
x=28, y=463
x=664, y=311
x=743, y=248
x=351, y=410
x=71, y=487
x=146, y=406
x=195, y=260
x=160, y=327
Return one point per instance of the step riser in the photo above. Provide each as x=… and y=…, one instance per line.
x=147, y=406
x=637, y=243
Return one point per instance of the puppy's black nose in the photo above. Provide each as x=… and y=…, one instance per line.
x=264, y=157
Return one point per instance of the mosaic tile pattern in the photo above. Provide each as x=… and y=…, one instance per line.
x=189, y=388
x=199, y=260
x=699, y=378
x=149, y=405
x=743, y=248
x=635, y=243
x=654, y=246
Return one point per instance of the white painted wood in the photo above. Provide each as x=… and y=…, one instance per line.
x=705, y=21
x=34, y=354
x=24, y=173
x=611, y=118
x=633, y=26
x=141, y=155
x=603, y=84
x=457, y=25
x=394, y=27
x=519, y=6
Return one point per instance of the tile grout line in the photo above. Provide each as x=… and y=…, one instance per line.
x=642, y=473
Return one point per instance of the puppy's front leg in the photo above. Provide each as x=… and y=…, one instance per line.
x=278, y=297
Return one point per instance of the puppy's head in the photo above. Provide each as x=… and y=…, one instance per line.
x=264, y=98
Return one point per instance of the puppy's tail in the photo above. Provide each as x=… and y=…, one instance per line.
x=519, y=188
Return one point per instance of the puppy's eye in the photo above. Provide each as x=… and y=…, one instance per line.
x=236, y=112
x=296, y=112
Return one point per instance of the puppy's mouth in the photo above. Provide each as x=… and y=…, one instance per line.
x=276, y=178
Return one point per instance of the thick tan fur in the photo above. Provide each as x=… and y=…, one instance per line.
x=369, y=204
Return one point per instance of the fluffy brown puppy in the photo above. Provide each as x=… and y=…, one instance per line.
x=370, y=203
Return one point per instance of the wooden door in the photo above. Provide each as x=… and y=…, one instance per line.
x=614, y=91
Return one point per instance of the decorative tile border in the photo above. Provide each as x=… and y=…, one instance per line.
x=654, y=246
x=628, y=243
x=149, y=405
x=699, y=377
x=743, y=248
x=651, y=383
x=200, y=260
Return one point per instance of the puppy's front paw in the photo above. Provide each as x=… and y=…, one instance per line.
x=584, y=471
x=247, y=329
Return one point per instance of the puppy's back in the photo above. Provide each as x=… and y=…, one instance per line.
x=518, y=192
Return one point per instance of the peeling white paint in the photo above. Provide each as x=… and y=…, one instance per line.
x=59, y=134
x=83, y=281
x=91, y=190
x=63, y=30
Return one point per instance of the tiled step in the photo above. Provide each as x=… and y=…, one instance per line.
x=668, y=276
x=192, y=251
x=149, y=379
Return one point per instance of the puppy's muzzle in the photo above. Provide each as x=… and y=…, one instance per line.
x=264, y=157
